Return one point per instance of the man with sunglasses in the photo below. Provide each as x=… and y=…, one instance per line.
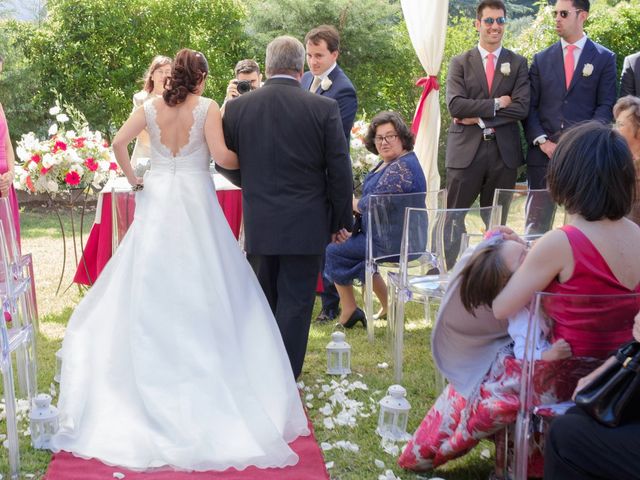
x=487, y=95
x=572, y=81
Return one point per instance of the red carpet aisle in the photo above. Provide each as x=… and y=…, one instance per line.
x=65, y=466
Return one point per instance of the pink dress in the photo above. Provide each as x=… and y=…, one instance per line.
x=591, y=332
x=13, y=200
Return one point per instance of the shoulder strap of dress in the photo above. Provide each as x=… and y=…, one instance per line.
x=584, y=251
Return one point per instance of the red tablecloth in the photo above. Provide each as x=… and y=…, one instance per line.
x=97, y=250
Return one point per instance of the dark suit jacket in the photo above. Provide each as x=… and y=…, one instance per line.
x=343, y=92
x=295, y=171
x=630, y=80
x=468, y=96
x=554, y=108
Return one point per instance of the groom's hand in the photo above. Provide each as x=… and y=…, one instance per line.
x=340, y=236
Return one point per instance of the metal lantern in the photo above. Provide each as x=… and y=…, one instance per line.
x=394, y=414
x=56, y=377
x=338, y=355
x=44, y=421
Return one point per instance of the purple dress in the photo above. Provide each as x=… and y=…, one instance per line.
x=4, y=167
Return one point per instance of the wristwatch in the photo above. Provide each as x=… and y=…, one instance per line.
x=496, y=104
x=542, y=140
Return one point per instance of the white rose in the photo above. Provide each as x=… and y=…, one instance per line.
x=77, y=168
x=52, y=186
x=505, y=69
x=587, y=70
x=326, y=84
x=62, y=118
x=53, y=129
x=48, y=160
x=32, y=166
x=54, y=110
x=22, y=153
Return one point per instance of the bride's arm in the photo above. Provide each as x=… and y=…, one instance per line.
x=130, y=130
x=215, y=140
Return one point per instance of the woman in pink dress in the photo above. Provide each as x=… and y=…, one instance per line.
x=7, y=160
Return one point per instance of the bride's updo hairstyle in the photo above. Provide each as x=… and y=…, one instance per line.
x=189, y=69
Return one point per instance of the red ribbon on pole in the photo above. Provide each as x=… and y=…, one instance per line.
x=429, y=83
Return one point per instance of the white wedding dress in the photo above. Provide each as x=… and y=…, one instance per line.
x=174, y=358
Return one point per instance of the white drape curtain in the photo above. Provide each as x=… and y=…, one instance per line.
x=427, y=24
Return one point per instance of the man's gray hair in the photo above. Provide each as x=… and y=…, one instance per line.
x=285, y=56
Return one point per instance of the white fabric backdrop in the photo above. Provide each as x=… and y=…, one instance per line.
x=427, y=24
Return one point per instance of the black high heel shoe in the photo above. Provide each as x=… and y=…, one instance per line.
x=357, y=316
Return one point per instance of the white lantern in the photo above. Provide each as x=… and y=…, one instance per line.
x=394, y=414
x=338, y=355
x=44, y=421
x=56, y=377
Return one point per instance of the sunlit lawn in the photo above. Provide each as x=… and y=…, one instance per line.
x=41, y=236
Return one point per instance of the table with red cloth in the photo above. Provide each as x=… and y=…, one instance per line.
x=98, y=249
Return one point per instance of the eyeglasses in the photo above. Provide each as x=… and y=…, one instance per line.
x=564, y=13
x=386, y=138
x=498, y=20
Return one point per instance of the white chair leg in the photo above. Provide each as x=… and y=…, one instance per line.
x=368, y=302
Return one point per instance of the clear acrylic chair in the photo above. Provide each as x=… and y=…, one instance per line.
x=601, y=323
x=383, y=227
x=7, y=344
x=529, y=212
x=123, y=205
x=432, y=241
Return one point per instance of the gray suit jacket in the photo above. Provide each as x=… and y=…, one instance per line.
x=468, y=96
x=630, y=80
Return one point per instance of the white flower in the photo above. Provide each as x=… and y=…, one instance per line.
x=379, y=463
x=32, y=166
x=53, y=129
x=52, y=186
x=62, y=118
x=587, y=70
x=54, y=110
x=505, y=69
x=48, y=160
x=329, y=465
x=326, y=84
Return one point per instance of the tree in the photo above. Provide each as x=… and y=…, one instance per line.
x=95, y=52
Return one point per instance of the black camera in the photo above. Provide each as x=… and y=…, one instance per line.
x=243, y=86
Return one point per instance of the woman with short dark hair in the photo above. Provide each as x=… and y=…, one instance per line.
x=399, y=171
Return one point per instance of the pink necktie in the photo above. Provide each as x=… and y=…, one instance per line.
x=569, y=64
x=490, y=70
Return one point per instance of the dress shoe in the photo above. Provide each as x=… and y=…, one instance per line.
x=357, y=316
x=325, y=317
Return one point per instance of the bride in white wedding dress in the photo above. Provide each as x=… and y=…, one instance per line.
x=174, y=358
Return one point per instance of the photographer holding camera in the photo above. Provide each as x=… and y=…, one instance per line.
x=248, y=77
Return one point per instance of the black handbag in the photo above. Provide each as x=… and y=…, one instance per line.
x=613, y=397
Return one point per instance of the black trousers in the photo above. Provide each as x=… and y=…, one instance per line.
x=289, y=283
x=579, y=448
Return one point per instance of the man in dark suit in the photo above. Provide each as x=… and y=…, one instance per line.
x=630, y=80
x=572, y=81
x=487, y=95
x=326, y=78
x=296, y=183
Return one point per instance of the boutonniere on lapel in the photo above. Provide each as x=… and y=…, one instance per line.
x=587, y=70
x=326, y=84
x=505, y=69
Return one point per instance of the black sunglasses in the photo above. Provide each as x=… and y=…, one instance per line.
x=499, y=20
x=564, y=13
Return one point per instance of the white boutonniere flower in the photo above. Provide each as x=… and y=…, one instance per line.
x=505, y=69
x=587, y=70
x=326, y=84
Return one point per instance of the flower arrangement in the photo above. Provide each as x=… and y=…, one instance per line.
x=362, y=160
x=67, y=159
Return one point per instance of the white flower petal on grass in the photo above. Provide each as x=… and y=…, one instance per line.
x=29, y=475
x=485, y=453
x=326, y=410
x=328, y=423
x=309, y=405
x=379, y=463
x=329, y=465
x=383, y=365
x=53, y=129
x=309, y=397
x=54, y=110
x=326, y=446
x=300, y=385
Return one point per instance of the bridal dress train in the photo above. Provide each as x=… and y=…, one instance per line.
x=174, y=358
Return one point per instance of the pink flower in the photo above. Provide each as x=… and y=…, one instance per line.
x=30, y=184
x=79, y=142
x=113, y=166
x=35, y=158
x=59, y=146
x=91, y=164
x=72, y=178
x=44, y=170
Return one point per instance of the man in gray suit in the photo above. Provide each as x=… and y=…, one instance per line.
x=487, y=95
x=630, y=80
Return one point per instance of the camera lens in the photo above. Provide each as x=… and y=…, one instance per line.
x=244, y=86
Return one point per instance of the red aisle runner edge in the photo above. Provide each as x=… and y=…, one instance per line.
x=64, y=466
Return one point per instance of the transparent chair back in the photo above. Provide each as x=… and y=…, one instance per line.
x=594, y=326
x=529, y=212
x=383, y=227
x=123, y=205
x=432, y=242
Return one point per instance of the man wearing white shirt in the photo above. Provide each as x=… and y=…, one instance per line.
x=487, y=96
x=572, y=81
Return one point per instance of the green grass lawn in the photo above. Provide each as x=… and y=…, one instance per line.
x=41, y=236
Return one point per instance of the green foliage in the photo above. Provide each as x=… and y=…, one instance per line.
x=95, y=52
x=376, y=52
